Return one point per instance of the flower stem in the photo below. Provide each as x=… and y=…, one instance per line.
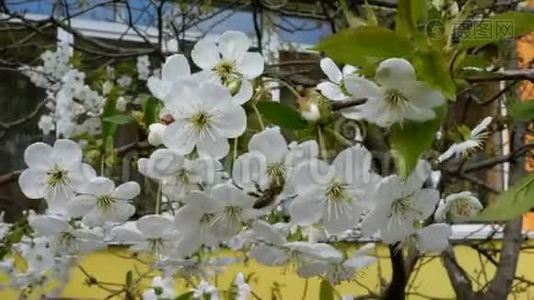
x=236, y=141
x=158, y=199
x=322, y=146
x=340, y=137
x=258, y=114
x=305, y=292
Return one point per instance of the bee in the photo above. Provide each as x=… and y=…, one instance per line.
x=266, y=197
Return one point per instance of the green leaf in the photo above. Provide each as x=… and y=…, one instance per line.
x=129, y=279
x=522, y=110
x=282, y=115
x=150, y=110
x=409, y=14
x=326, y=292
x=185, y=296
x=110, y=109
x=119, y=119
x=432, y=67
x=512, y=203
x=498, y=27
x=365, y=45
x=370, y=15
x=409, y=140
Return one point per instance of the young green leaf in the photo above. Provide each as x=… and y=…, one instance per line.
x=150, y=110
x=282, y=115
x=522, y=111
x=512, y=203
x=119, y=119
x=409, y=14
x=185, y=296
x=365, y=45
x=326, y=291
x=410, y=139
x=432, y=67
x=498, y=27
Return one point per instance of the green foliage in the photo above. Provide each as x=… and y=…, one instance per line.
x=409, y=15
x=432, y=67
x=150, y=110
x=498, y=27
x=118, y=119
x=185, y=296
x=410, y=139
x=522, y=110
x=326, y=291
x=512, y=203
x=365, y=45
x=282, y=115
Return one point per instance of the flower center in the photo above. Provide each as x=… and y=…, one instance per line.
x=104, y=202
x=57, y=176
x=396, y=98
x=66, y=238
x=462, y=207
x=401, y=207
x=200, y=120
x=337, y=200
x=155, y=244
x=276, y=173
x=225, y=70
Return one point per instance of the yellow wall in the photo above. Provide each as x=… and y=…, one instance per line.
x=431, y=280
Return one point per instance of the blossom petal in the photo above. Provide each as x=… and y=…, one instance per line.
x=251, y=65
x=433, y=238
x=306, y=209
x=217, y=148
x=100, y=186
x=33, y=183
x=353, y=165
x=230, y=121
x=205, y=54
x=270, y=143
x=331, y=91
x=268, y=255
x=233, y=45
x=178, y=138
x=127, y=191
x=175, y=67
x=81, y=205
x=48, y=225
x=244, y=94
x=66, y=153
x=393, y=72
x=331, y=70
x=250, y=169
x=38, y=156
x=153, y=226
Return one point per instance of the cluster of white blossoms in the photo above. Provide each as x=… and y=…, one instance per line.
x=210, y=199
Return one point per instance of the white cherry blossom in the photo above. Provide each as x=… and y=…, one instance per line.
x=341, y=269
x=175, y=68
x=243, y=289
x=102, y=202
x=459, y=207
x=161, y=288
x=154, y=234
x=474, y=141
x=398, y=97
x=335, y=195
x=400, y=204
x=204, y=117
x=270, y=160
x=204, y=289
x=334, y=89
x=228, y=62
x=179, y=175
x=54, y=173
